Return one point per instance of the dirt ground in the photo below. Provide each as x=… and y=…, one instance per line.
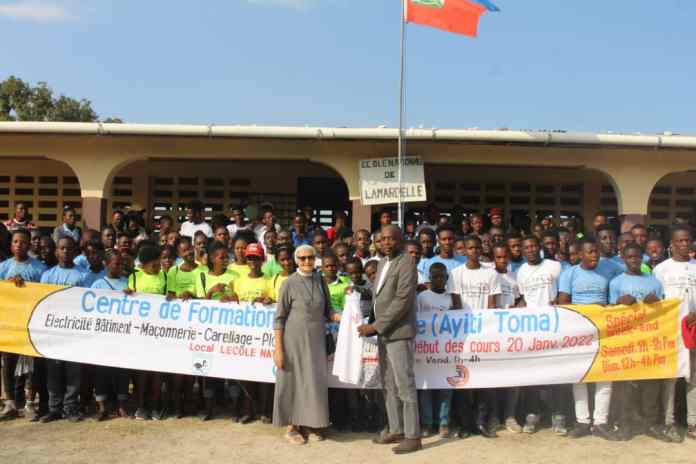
x=126, y=441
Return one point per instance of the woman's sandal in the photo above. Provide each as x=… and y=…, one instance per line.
x=295, y=437
x=313, y=434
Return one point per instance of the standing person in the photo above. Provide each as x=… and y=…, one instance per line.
x=678, y=278
x=20, y=220
x=270, y=267
x=308, y=212
x=385, y=219
x=118, y=221
x=48, y=251
x=89, y=235
x=299, y=233
x=254, y=287
x=626, y=289
x=514, y=243
x=496, y=217
x=301, y=395
x=239, y=246
x=320, y=244
x=94, y=254
x=583, y=284
x=606, y=241
x=599, y=219
x=477, y=226
x=215, y=283
x=200, y=247
x=69, y=226
x=266, y=223
x=63, y=377
x=108, y=237
x=195, y=222
x=34, y=244
x=108, y=379
x=640, y=237
x=477, y=287
x=395, y=327
x=445, y=256
x=287, y=263
x=655, y=250
x=20, y=268
x=436, y=299
x=340, y=222
x=426, y=237
x=538, y=279
x=549, y=244
x=362, y=245
x=148, y=278
x=509, y=297
x=238, y=222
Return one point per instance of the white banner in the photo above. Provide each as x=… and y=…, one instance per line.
x=453, y=349
x=379, y=180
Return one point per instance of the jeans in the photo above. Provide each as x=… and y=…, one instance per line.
x=474, y=406
x=11, y=388
x=399, y=381
x=443, y=400
x=63, y=379
x=602, y=399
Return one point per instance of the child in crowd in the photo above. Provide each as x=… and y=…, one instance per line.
x=287, y=263
x=63, y=377
x=240, y=266
x=149, y=278
x=167, y=258
x=436, y=299
x=94, y=253
x=19, y=268
x=111, y=379
x=200, y=245
x=215, y=284
x=48, y=251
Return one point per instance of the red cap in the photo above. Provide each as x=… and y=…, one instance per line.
x=496, y=212
x=254, y=249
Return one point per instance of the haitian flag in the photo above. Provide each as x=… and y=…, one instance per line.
x=458, y=16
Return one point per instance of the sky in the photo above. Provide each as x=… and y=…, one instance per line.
x=591, y=65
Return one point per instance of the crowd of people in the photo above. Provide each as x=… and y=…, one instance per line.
x=471, y=262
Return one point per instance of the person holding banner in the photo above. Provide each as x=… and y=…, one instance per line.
x=18, y=269
x=395, y=325
x=583, y=284
x=678, y=278
x=302, y=393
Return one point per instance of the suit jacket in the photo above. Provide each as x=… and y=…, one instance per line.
x=395, y=301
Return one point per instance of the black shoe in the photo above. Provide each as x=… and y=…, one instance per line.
x=51, y=416
x=605, y=431
x=74, y=417
x=580, y=430
x=625, y=433
x=486, y=432
x=657, y=432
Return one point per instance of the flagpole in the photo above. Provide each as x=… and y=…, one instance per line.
x=400, y=159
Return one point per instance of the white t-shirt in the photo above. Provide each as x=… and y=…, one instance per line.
x=234, y=228
x=474, y=286
x=189, y=229
x=678, y=280
x=509, y=290
x=431, y=301
x=260, y=231
x=539, y=283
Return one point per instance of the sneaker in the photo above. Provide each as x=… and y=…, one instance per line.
x=558, y=425
x=530, y=423
x=580, y=430
x=463, y=433
x=30, y=412
x=494, y=424
x=604, y=431
x=512, y=425
x=142, y=414
x=691, y=432
x=625, y=433
x=9, y=412
x=657, y=432
x=158, y=414
x=672, y=434
x=444, y=431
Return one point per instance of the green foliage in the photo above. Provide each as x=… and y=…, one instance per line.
x=19, y=101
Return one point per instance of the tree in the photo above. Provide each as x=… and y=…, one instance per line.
x=19, y=101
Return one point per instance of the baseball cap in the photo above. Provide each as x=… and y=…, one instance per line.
x=496, y=212
x=254, y=249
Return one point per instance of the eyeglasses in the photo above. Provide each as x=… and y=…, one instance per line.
x=306, y=258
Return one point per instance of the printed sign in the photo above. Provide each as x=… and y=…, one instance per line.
x=379, y=181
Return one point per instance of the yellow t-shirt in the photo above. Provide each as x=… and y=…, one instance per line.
x=141, y=282
x=180, y=281
x=209, y=281
x=240, y=269
x=277, y=281
x=248, y=289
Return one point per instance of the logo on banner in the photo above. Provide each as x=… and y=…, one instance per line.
x=461, y=379
x=430, y=3
x=201, y=364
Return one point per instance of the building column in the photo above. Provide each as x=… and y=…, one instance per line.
x=94, y=212
x=592, y=193
x=362, y=216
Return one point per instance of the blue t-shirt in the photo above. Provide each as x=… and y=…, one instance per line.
x=516, y=265
x=637, y=286
x=67, y=276
x=565, y=265
x=450, y=263
x=609, y=268
x=89, y=277
x=29, y=270
x=583, y=286
x=81, y=263
x=107, y=283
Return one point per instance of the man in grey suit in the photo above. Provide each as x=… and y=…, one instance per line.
x=395, y=326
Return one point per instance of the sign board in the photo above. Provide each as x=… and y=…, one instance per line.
x=379, y=180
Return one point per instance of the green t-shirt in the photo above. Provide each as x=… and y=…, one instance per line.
x=208, y=281
x=271, y=267
x=141, y=282
x=337, y=293
x=645, y=269
x=180, y=281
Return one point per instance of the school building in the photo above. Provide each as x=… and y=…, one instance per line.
x=160, y=168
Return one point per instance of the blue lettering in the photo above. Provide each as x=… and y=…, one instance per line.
x=85, y=308
x=144, y=309
x=420, y=327
x=103, y=304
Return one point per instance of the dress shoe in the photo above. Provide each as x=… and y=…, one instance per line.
x=386, y=438
x=486, y=432
x=408, y=445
